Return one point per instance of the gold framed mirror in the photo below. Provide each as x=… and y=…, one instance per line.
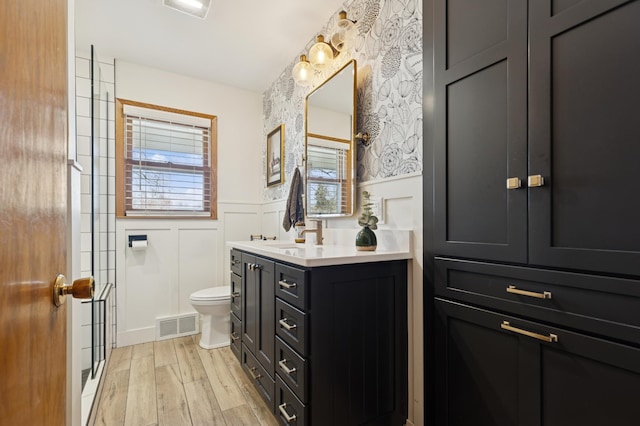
x=330, y=122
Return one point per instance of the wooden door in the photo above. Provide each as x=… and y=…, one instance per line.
x=584, y=133
x=33, y=208
x=480, y=78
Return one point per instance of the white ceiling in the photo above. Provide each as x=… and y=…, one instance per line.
x=241, y=43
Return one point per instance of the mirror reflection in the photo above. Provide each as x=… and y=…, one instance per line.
x=330, y=124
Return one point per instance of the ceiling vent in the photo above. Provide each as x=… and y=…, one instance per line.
x=197, y=8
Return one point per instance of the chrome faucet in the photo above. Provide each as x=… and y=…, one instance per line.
x=317, y=231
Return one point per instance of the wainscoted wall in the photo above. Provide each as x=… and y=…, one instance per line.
x=188, y=255
x=182, y=256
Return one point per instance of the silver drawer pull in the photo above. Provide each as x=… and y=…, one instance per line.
x=543, y=295
x=283, y=411
x=283, y=322
x=549, y=339
x=235, y=294
x=283, y=365
x=234, y=336
x=254, y=376
x=285, y=284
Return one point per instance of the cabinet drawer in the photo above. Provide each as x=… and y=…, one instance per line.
x=292, y=368
x=289, y=409
x=291, y=285
x=236, y=262
x=259, y=377
x=524, y=365
x=234, y=333
x=236, y=294
x=291, y=325
x=602, y=305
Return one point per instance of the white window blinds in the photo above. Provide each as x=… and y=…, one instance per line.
x=167, y=163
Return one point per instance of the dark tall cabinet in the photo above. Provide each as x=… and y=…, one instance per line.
x=536, y=132
x=534, y=254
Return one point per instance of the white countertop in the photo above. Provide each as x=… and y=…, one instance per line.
x=306, y=254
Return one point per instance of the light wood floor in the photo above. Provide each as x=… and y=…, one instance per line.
x=176, y=382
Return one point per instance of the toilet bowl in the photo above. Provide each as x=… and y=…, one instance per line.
x=213, y=304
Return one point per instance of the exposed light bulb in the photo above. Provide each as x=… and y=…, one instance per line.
x=320, y=54
x=302, y=72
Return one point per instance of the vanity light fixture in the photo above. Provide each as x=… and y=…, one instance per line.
x=345, y=32
x=321, y=54
x=197, y=8
x=302, y=72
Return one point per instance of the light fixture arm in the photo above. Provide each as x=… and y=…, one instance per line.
x=363, y=138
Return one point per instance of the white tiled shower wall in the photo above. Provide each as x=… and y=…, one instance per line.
x=107, y=183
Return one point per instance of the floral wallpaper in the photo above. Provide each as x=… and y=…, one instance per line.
x=388, y=52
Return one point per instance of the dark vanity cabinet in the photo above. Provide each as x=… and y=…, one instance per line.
x=536, y=238
x=339, y=338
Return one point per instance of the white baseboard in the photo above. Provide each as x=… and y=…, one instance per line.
x=134, y=337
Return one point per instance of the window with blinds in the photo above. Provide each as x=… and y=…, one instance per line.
x=167, y=162
x=327, y=179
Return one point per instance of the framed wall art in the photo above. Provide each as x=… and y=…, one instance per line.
x=275, y=156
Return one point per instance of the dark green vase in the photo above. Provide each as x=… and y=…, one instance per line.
x=366, y=240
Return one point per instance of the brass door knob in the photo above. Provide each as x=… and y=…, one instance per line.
x=82, y=288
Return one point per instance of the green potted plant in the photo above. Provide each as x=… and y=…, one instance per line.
x=366, y=239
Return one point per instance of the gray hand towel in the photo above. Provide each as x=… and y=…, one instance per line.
x=294, y=211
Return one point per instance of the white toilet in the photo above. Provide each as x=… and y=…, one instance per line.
x=213, y=304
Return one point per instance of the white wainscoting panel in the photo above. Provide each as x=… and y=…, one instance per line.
x=198, y=263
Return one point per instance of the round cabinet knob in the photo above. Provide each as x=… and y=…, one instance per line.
x=82, y=288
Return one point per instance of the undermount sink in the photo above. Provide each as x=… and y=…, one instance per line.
x=283, y=245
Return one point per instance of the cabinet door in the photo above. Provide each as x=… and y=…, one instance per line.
x=480, y=73
x=265, y=343
x=358, y=344
x=249, y=302
x=584, y=133
x=493, y=375
x=481, y=368
x=258, y=309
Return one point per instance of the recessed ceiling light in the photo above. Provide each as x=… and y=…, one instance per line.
x=197, y=8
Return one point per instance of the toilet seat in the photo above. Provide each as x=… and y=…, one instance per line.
x=212, y=294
